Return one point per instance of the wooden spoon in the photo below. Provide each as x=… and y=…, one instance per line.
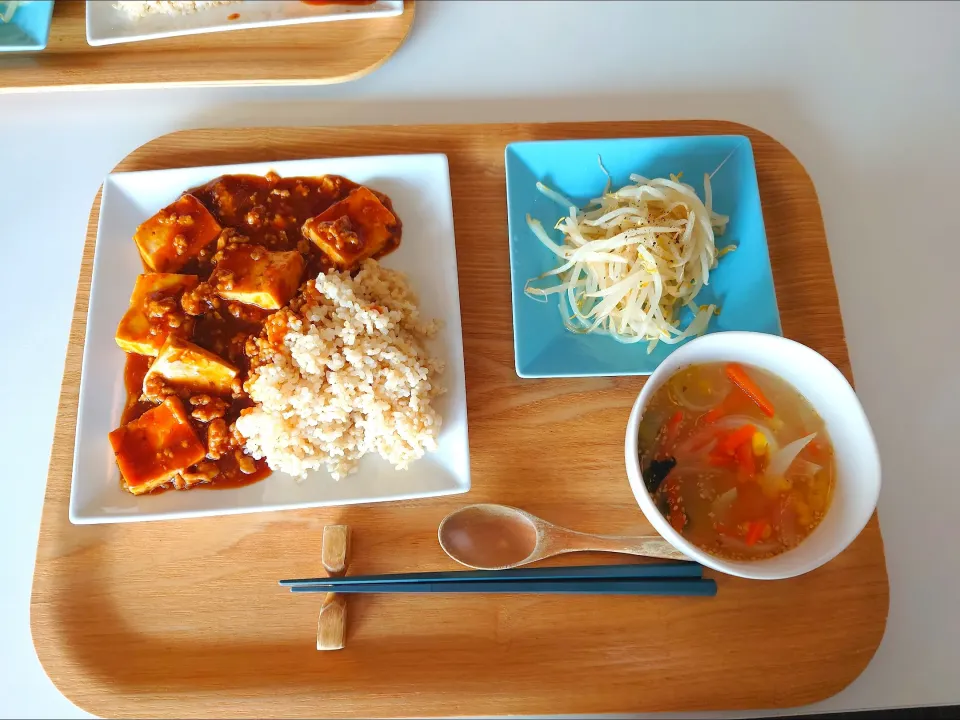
x=497, y=537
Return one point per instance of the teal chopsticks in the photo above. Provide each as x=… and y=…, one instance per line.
x=681, y=579
x=692, y=587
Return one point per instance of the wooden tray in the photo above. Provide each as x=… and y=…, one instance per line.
x=311, y=54
x=185, y=618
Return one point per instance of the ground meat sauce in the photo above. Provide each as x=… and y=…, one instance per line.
x=268, y=211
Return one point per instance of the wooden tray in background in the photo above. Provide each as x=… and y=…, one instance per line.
x=309, y=54
x=185, y=618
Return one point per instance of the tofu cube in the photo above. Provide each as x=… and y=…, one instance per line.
x=253, y=275
x=139, y=332
x=185, y=366
x=354, y=229
x=176, y=235
x=157, y=446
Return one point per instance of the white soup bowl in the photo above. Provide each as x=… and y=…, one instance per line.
x=855, y=450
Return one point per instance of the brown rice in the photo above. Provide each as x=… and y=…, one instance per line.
x=341, y=373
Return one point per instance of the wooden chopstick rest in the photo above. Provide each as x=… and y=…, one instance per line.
x=332, y=623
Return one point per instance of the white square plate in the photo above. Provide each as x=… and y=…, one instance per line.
x=107, y=24
x=419, y=186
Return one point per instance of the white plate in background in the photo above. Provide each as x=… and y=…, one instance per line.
x=107, y=24
x=419, y=186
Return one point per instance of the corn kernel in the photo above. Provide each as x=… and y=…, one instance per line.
x=773, y=485
x=804, y=516
x=759, y=443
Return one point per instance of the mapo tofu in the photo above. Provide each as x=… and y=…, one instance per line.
x=184, y=366
x=253, y=275
x=157, y=446
x=176, y=235
x=354, y=229
x=219, y=261
x=155, y=312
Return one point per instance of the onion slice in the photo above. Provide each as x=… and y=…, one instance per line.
x=724, y=502
x=685, y=402
x=782, y=459
x=807, y=468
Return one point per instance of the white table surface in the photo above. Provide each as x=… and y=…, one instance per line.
x=866, y=95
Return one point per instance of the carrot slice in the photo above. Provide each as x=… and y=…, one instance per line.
x=713, y=415
x=677, y=518
x=673, y=427
x=738, y=376
x=738, y=437
x=715, y=460
x=747, y=468
x=755, y=531
x=668, y=434
x=816, y=450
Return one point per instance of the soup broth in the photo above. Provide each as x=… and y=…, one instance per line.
x=737, y=460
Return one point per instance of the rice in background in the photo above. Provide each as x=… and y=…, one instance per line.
x=143, y=8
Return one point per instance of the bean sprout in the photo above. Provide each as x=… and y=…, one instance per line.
x=632, y=260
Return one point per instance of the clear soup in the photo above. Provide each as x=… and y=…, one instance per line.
x=737, y=460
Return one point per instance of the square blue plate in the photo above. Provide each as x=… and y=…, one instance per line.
x=742, y=284
x=28, y=29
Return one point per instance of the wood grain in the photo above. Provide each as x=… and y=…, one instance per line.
x=186, y=619
x=332, y=622
x=308, y=54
